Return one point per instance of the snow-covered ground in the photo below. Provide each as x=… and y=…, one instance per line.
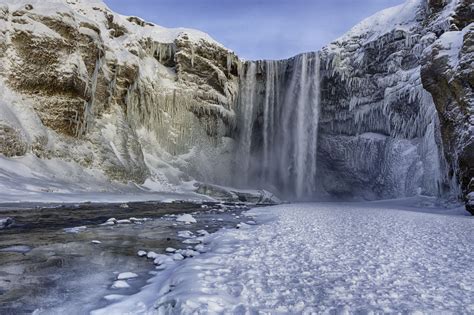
x=323, y=258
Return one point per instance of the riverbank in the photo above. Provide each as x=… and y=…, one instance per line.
x=57, y=258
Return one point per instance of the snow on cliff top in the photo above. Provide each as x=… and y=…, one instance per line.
x=401, y=17
x=93, y=10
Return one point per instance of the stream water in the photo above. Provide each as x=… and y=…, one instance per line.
x=49, y=266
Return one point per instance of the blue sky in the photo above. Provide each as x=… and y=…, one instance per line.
x=259, y=29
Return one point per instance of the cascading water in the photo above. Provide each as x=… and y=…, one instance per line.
x=279, y=113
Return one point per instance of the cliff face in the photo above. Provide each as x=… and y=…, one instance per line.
x=377, y=121
x=383, y=112
x=113, y=93
x=447, y=73
x=404, y=76
x=378, y=131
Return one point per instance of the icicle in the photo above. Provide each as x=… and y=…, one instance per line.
x=89, y=106
x=229, y=63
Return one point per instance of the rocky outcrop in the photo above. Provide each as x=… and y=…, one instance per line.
x=113, y=93
x=227, y=194
x=397, y=103
x=448, y=74
x=377, y=121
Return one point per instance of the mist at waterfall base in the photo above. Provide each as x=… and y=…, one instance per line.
x=279, y=115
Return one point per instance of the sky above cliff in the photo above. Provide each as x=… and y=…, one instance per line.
x=259, y=29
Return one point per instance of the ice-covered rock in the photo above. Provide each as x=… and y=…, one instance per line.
x=120, y=284
x=96, y=242
x=124, y=221
x=126, y=275
x=186, y=218
x=151, y=255
x=188, y=253
x=161, y=259
x=177, y=256
x=200, y=248
x=170, y=250
x=185, y=234
x=142, y=253
x=237, y=195
x=191, y=241
x=137, y=220
x=202, y=232
x=5, y=222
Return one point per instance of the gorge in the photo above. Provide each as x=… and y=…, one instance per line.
x=151, y=170
x=121, y=105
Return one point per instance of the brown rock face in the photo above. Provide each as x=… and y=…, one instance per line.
x=39, y=70
x=12, y=142
x=88, y=80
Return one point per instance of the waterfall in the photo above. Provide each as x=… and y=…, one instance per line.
x=278, y=110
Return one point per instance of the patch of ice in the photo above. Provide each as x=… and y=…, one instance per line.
x=17, y=249
x=75, y=230
x=114, y=297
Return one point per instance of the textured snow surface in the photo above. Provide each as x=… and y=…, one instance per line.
x=326, y=257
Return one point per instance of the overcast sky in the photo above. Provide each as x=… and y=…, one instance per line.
x=259, y=29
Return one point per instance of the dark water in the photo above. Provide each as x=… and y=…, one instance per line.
x=45, y=269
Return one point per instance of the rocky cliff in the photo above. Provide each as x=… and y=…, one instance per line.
x=448, y=74
x=383, y=112
x=392, y=112
x=114, y=94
